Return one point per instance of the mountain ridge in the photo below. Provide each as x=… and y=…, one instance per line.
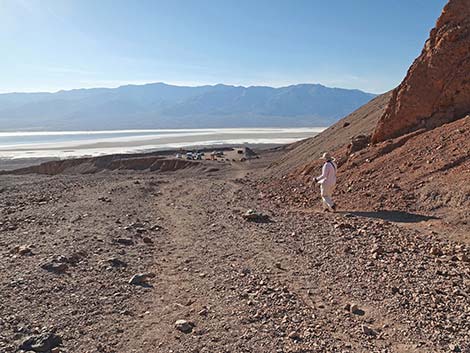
x=159, y=105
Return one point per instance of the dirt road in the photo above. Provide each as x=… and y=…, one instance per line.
x=302, y=282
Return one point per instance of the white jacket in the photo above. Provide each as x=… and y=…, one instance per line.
x=328, y=176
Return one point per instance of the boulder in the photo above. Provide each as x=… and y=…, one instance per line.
x=358, y=143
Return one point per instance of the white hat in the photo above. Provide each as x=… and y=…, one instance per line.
x=326, y=156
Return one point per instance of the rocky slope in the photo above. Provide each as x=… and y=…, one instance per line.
x=360, y=122
x=426, y=173
x=436, y=89
x=420, y=160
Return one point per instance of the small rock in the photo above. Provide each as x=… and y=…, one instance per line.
x=368, y=331
x=184, y=326
x=56, y=267
x=41, y=343
x=147, y=240
x=24, y=250
x=203, y=312
x=377, y=249
x=254, y=216
x=353, y=308
x=124, y=241
x=343, y=226
x=454, y=348
x=294, y=336
x=115, y=262
x=141, y=278
x=463, y=258
x=436, y=251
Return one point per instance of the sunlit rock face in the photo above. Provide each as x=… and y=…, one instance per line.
x=436, y=89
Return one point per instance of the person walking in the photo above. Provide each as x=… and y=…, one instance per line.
x=327, y=181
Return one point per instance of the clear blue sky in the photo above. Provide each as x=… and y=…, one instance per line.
x=48, y=45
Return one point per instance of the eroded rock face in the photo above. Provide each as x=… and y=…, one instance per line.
x=436, y=89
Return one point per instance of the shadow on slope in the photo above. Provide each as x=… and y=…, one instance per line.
x=392, y=216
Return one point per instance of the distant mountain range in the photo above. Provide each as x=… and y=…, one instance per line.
x=159, y=105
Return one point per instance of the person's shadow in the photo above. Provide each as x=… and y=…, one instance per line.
x=391, y=216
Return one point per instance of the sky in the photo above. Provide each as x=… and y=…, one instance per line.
x=50, y=45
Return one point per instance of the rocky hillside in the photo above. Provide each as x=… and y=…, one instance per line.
x=360, y=122
x=424, y=173
x=410, y=149
x=436, y=89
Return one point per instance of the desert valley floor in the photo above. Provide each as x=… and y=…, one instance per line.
x=302, y=281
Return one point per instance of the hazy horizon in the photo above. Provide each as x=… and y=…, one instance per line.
x=53, y=45
x=191, y=86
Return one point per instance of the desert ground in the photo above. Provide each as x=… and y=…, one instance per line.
x=295, y=280
x=147, y=253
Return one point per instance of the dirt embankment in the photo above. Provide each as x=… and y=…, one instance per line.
x=113, y=162
x=162, y=161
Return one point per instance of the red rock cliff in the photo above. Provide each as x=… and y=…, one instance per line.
x=436, y=89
